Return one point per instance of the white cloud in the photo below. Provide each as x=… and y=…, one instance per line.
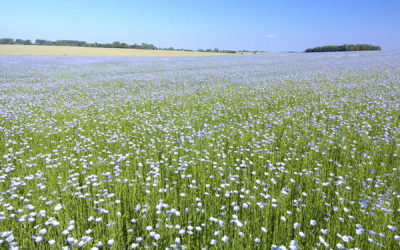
x=270, y=36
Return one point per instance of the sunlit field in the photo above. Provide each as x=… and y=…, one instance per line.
x=42, y=50
x=235, y=152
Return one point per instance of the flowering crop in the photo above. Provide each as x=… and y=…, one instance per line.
x=258, y=151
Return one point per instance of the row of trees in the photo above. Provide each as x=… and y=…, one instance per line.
x=77, y=43
x=345, y=47
x=115, y=44
x=61, y=42
x=217, y=51
x=17, y=41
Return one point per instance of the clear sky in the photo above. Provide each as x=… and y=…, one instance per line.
x=280, y=25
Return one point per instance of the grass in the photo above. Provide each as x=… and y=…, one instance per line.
x=182, y=152
x=39, y=50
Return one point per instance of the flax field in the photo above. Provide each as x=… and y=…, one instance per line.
x=275, y=151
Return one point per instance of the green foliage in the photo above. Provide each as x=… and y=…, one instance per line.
x=345, y=47
x=71, y=43
x=24, y=42
x=77, y=43
x=7, y=41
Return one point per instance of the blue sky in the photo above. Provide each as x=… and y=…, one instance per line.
x=253, y=25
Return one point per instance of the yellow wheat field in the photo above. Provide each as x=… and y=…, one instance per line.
x=36, y=50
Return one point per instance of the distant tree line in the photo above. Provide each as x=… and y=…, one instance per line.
x=345, y=47
x=17, y=41
x=217, y=51
x=115, y=44
x=77, y=43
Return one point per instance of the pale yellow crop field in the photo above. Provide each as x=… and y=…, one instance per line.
x=36, y=50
